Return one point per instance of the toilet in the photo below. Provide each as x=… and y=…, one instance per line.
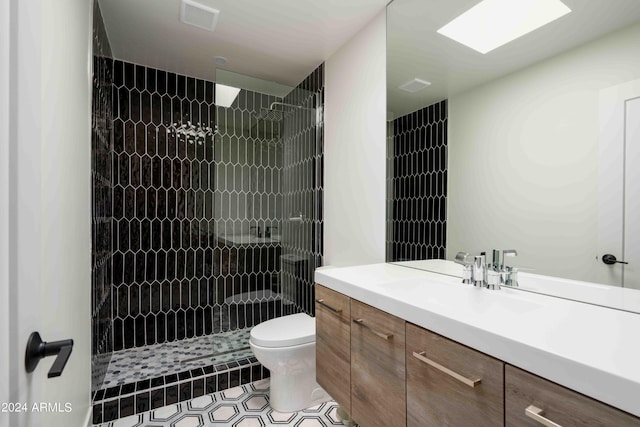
x=287, y=347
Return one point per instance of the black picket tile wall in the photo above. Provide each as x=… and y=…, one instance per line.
x=417, y=185
x=178, y=203
x=101, y=218
x=157, y=207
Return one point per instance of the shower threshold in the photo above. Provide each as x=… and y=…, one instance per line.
x=214, y=355
x=141, y=363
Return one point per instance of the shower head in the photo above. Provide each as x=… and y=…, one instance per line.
x=269, y=114
x=275, y=114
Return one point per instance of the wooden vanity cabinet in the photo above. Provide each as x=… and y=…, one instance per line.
x=378, y=393
x=528, y=395
x=451, y=384
x=333, y=344
x=386, y=372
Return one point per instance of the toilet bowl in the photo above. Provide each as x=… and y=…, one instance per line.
x=287, y=347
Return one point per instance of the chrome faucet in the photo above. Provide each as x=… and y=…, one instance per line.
x=504, y=274
x=510, y=274
x=462, y=258
x=257, y=228
x=512, y=277
x=491, y=276
x=268, y=230
x=473, y=268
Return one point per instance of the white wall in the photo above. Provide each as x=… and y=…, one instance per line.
x=355, y=153
x=523, y=158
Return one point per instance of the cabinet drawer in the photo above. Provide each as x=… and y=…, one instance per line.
x=378, y=392
x=333, y=344
x=450, y=384
x=561, y=405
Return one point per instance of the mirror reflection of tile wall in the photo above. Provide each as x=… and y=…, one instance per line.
x=417, y=185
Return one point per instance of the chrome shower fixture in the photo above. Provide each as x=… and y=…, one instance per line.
x=192, y=132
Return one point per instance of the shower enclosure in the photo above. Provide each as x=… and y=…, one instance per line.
x=216, y=226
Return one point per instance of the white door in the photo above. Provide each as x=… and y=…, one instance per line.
x=5, y=20
x=631, y=251
x=45, y=89
x=619, y=181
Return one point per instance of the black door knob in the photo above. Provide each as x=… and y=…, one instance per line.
x=610, y=259
x=37, y=349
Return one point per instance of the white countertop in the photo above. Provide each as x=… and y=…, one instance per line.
x=593, y=350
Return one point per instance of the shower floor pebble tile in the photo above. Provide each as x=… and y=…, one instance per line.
x=244, y=406
x=153, y=361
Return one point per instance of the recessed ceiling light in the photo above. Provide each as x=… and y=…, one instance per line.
x=199, y=15
x=225, y=95
x=492, y=23
x=219, y=60
x=414, y=85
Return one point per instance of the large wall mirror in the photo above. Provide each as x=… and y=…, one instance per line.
x=508, y=149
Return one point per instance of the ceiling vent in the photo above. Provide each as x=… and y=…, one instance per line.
x=198, y=15
x=414, y=85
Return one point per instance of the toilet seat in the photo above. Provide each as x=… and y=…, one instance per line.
x=286, y=331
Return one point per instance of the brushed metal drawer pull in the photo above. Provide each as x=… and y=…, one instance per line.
x=325, y=305
x=536, y=414
x=380, y=334
x=471, y=382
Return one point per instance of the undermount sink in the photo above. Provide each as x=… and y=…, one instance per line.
x=442, y=290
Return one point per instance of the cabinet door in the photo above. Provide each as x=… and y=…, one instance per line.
x=378, y=393
x=450, y=384
x=333, y=345
x=533, y=401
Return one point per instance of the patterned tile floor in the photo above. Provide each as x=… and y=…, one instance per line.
x=244, y=406
x=154, y=361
